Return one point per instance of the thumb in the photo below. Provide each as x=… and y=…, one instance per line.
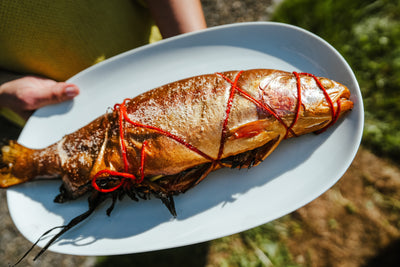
x=26, y=94
x=49, y=94
x=59, y=92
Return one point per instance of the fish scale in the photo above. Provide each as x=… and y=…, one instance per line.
x=167, y=140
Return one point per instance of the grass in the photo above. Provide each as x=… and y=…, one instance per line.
x=367, y=34
x=260, y=246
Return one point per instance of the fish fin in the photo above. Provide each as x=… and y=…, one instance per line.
x=249, y=130
x=253, y=157
x=9, y=156
x=183, y=181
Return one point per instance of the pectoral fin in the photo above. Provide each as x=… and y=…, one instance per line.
x=253, y=157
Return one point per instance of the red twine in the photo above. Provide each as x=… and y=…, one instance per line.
x=123, y=117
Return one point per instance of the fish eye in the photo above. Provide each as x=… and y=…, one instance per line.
x=328, y=84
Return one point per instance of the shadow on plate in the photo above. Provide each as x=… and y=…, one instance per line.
x=130, y=219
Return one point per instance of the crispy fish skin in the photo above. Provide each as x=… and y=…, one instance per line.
x=194, y=110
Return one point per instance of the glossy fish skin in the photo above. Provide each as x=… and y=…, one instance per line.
x=193, y=110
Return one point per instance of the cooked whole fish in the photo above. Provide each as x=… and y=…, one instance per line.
x=167, y=140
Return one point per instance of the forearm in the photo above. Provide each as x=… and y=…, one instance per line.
x=174, y=17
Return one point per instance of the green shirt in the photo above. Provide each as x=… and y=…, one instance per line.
x=57, y=39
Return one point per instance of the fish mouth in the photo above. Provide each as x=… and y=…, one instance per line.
x=344, y=100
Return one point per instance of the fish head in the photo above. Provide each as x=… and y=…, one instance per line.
x=305, y=103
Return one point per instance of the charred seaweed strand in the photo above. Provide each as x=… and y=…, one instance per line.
x=34, y=244
x=94, y=201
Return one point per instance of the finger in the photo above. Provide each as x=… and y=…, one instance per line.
x=63, y=92
x=52, y=94
x=71, y=91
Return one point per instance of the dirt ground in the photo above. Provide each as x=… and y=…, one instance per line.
x=355, y=223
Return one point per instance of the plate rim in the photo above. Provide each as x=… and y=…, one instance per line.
x=221, y=27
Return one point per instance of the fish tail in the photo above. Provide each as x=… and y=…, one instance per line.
x=13, y=157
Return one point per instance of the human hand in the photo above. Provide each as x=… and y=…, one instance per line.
x=25, y=95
